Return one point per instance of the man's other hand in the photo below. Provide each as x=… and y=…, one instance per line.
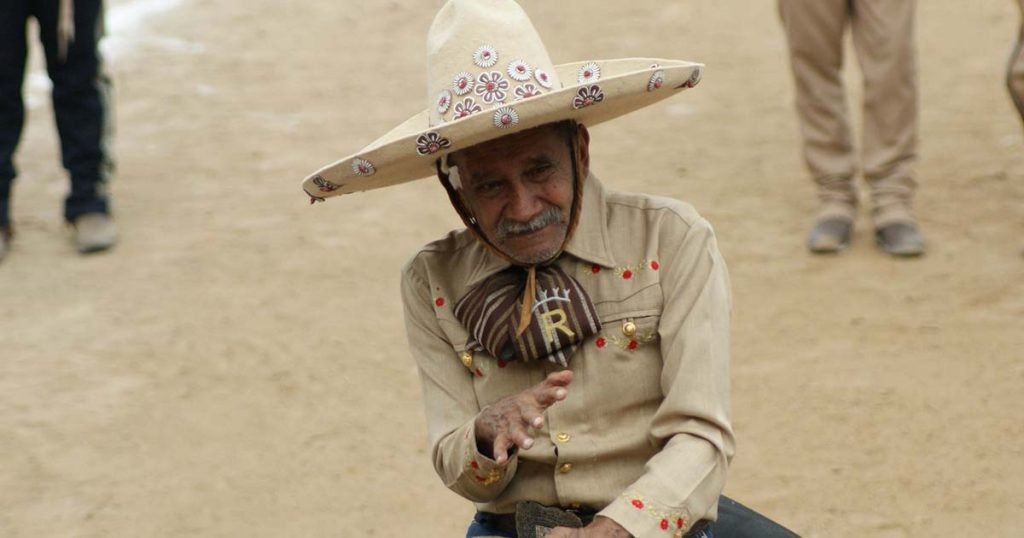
x=506, y=423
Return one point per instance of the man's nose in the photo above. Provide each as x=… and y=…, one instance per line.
x=524, y=205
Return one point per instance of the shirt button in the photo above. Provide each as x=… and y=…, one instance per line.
x=467, y=359
x=565, y=468
x=575, y=506
x=629, y=329
x=563, y=437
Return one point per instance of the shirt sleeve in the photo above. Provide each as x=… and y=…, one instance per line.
x=681, y=483
x=451, y=404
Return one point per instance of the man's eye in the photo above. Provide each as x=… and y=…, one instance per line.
x=489, y=187
x=538, y=170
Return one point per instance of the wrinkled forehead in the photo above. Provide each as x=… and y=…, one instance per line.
x=548, y=140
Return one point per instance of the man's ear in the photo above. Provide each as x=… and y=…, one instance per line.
x=583, y=148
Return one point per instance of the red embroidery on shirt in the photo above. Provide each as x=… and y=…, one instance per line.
x=439, y=302
x=638, y=504
x=654, y=265
x=599, y=342
x=474, y=465
x=632, y=345
x=478, y=373
x=664, y=524
x=627, y=274
x=502, y=364
x=595, y=268
x=679, y=523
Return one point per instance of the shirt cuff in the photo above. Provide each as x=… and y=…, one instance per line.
x=644, y=518
x=481, y=477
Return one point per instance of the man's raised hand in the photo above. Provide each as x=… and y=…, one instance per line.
x=506, y=423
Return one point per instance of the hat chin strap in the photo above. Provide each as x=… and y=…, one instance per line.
x=473, y=226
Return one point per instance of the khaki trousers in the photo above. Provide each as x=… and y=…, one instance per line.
x=883, y=39
x=1015, y=69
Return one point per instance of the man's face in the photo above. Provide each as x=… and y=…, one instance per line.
x=520, y=189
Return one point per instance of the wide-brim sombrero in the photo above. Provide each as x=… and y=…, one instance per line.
x=489, y=75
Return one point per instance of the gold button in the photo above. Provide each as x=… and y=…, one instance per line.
x=629, y=329
x=563, y=437
x=565, y=468
x=575, y=506
x=678, y=534
x=467, y=359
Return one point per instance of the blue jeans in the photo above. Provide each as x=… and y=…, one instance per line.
x=734, y=521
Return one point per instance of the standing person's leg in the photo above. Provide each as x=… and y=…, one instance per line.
x=81, y=105
x=883, y=36
x=1015, y=68
x=814, y=30
x=13, y=50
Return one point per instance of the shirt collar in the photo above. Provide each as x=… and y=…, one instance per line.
x=590, y=241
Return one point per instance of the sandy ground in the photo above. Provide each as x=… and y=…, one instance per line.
x=237, y=366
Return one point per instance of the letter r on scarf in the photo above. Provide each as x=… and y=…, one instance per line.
x=549, y=326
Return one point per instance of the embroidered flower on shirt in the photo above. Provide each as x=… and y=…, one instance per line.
x=542, y=78
x=657, y=81
x=463, y=83
x=491, y=87
x=588, y=72
x=666, y=518
x=526, y=91
x=430, y=143
x=519, y=70
x=485, y=56
x=444, y=101
x=587, y=96
x=505, y=117
x=324, y=185
x=362, y=167
x=465, y=108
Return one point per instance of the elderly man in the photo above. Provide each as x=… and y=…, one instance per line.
x=572, y=342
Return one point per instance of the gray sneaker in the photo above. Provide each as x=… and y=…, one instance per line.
x=94, y=232
x=829, y=236
x=901, y=239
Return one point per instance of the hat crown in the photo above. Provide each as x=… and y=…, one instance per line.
x=482, y=54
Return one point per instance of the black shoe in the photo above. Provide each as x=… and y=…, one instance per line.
x=901, y=239
x=829, y=236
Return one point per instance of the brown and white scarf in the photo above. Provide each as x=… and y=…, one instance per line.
x=550, y=325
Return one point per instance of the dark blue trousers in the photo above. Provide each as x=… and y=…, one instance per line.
x=734, y=521
x=80, y=91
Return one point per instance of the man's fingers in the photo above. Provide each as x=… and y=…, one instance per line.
x=500, y=448
x=560, y=378
x=553, y=389
x=517, y=432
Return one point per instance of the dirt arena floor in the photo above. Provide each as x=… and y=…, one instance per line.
x=237, y=366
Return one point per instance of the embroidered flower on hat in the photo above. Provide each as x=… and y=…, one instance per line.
x=587, y=96
x=588, y=72
x=542, y=78
x=657, y=81
x=485, y=56
x=362, y=167
x=693, y=80
x=463, y=83
x=505, y=117
x=324, y=185
x=491, y=87
x=431, y=142
x=444, y=101
x=466, y=107
x=519, y=70
x=525, y=91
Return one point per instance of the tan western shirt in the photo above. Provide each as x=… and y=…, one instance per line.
x=644, y=434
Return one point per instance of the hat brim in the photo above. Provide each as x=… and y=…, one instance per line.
x=409, y=151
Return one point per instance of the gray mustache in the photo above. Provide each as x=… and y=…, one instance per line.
x=506, y=228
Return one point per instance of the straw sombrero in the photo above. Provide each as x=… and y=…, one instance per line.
x=489, y=75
